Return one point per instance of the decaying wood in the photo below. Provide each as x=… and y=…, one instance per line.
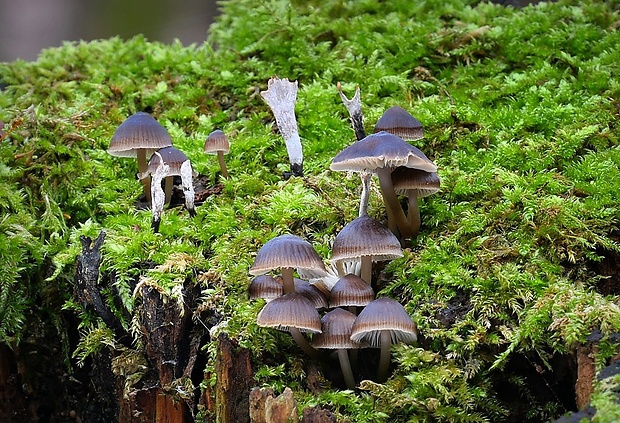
x=281, y=409
x=586, y=372
x=258, y=396
x=317, y=415
x=234, y=380
x=87, y=290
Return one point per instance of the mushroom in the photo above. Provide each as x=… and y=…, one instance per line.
x=294, y=313
x=265, y=287
x=217, y=143
x=354, y=107
x=381, y=323
x=336, y=335
x=139, y=136
x=367, y=240
x=351, y=291
x=399, y=122
x=287, y=252
x=166, y=163
x=281, y=96
x=380, y=153
x=414, y=183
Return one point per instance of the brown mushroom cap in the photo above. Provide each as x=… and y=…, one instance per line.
x=365, y=236
x=401, y=123
x=139, y=131
x=423, y=183
x=380, y=315
x=287, y=251
x=291, y=310
x=265, y=287
x=217, y=141
x=171, y=156
x=351, y=290
x=336, y=331
x=378, y=151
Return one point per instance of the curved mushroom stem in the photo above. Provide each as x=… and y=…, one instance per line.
x=220, y=159
x=345, y=366
x=303, y=343
x=413, y=213
x=384, y=360
x=365, y=177
x=287, y=278
x=392, y=206
x=366, y=273
x=188, y=187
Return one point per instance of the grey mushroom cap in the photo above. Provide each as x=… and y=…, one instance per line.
x=378, y=151
x=366, y=236
x=287, y=251
x=423, y=183
x=384, y=314
x=291, y=310
x=217, y=141
x=336, y=331
x=265, y=287
x=351, y=290
x=171, y=156
x=401, y=123
x=139, y=131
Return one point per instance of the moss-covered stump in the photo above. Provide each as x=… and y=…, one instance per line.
x=515, y=265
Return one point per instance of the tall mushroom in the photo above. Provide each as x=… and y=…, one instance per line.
x=139, y=136
x=294, y=313
x=336, y=327
x=381, y=153
x=365, y=239
x=281, y=96
x=287, y=252
x=414, y=183
x=217, y=143
x=166, y=163
x=381, y=323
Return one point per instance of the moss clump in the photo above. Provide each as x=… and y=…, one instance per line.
x=520, y=109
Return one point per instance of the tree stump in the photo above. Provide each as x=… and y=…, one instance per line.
x=234, y=380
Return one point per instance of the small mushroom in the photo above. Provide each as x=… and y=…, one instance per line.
x=401, y=123
x=217, y=143
x=381, y=153
x=287, y=252
x=281, y=96
x=336, y=327
x=265, y=287
x=381, y=323
x=139, y=136
x=294, y=313
x=166, y=163
x=351, y=291
x=414, y=183
x=367, y=240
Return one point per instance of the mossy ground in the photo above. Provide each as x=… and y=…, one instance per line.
x=514, y=265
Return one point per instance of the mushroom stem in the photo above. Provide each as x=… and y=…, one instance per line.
x=220, y=159
x=287, y=278
x=303, y=343
x=168, y=184
x=345, y=366
x=366, y=272
x=413, y=213
x=384, y=360
x=142, y=166
x=392, y=206
x=354, y=107
x=188, y=187
x=365, y=177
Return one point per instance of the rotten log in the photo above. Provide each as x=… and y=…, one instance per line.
x=86, y=287
x=234, y=381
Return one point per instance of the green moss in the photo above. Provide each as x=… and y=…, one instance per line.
x=520, y=109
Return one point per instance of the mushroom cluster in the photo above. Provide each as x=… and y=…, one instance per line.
x=294, y=305
x=143, y=137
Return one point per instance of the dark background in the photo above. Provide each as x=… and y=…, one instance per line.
x=28, y=26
